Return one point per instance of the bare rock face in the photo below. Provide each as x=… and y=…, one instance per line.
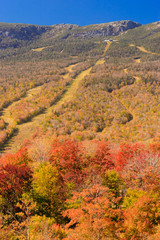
x=105, y=29
x=21, y=31
x=60, y=29
x=122, y=26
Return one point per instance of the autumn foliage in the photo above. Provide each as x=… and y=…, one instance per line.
x=81, y=190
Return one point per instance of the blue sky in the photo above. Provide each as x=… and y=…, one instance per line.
x=82, y=12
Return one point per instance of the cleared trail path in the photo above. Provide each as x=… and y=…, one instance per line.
x=142, y=49
x=6, y=112
x=72, y=90
x=26, y=130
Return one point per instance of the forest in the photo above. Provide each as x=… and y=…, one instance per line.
x=80, y=132
x=63, y=189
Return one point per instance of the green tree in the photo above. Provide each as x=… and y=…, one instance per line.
x=48, y=191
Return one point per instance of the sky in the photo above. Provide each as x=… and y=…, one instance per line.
x=81, y=12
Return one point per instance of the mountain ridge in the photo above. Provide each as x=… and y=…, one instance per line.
x=31, y=32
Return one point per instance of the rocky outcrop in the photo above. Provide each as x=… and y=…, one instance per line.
x=22, y=31
x=60, y=29
x=105, y=29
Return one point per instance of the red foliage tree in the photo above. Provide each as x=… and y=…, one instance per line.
x=103, y=159
x=14, y=180
x=67, y=157
x=20, y=157
x=126, y=152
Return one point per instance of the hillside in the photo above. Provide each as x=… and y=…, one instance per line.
x=80, y=131
x=18, y=39
x=115, y=100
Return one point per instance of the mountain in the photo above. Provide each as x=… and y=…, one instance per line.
x=28, y=32
x=22, y=35
x=32, y=32
x=80, y=131
x=96, y=81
